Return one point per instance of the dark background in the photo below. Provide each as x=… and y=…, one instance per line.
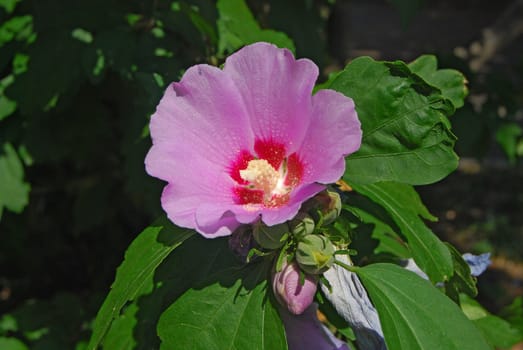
x=80, y=129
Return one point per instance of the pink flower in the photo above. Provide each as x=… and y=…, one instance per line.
x=288, y=290
x=248, y=141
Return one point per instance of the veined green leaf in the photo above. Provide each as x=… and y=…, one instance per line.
x=414, y=314
x=406, y=133
x=228, y=308
x=136, y=272
x=405, y=207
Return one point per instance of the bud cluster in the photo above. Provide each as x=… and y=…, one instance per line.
x=304, y=251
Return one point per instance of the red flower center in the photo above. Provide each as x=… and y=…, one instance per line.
x=265, y=179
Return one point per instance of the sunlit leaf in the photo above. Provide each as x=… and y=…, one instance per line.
x=406, y=133
x=227, y=308
x=415, y=315
x=405, y=208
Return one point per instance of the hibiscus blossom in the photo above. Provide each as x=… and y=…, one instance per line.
x=249, y=141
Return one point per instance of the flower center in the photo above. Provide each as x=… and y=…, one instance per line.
x=266, y=178
x=262, y=176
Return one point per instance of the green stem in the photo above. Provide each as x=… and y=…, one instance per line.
x=345, y=266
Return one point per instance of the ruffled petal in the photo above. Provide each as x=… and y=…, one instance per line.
x=215, y=220
x=276, y=90
x=334, y=132
x=199, y=127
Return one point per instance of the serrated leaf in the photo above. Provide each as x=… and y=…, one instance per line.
x=14, y=192
x=136, y=272
x=414, y=314
x=451, y=82
x=404, y=206
x=406, y=133
x=237, y=27
x=228, y=309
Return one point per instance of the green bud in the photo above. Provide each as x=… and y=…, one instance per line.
x=329, y=205
x=302, y=225
x=315, y=254
x=270, y=237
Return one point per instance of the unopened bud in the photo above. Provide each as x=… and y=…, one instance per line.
x=270, y=237
x=315, y=254
x=330, y=206
x=288, y=290
x=302, y=225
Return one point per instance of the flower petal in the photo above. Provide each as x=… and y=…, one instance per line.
x=273, y=216
x=199, y=127
x=276, y=90
x=334, y=132
x=477, y=263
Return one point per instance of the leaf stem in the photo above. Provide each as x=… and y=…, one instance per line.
x=345, y=266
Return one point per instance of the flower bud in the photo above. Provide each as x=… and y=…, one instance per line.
x=315, y=254
x=302, y=225
x=289, y=292
x=270, y=237
x=330, y=206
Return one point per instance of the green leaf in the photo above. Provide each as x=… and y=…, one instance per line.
x=14, y=192
x=507, y=136
x=406, y=133
x=9, y=5
x=136, y=272
x=120, y=335
x=389, y=241
x=237, y=27
x=17, y=28
x=7, y=107
x=450, y=81
x=414, y=314
x=12, y=344
x=497, y=331
x=228, y=309
x=514, y=313
x=462, y=280
x=405, y=207
x=183, y=268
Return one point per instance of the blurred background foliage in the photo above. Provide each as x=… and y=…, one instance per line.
x=80, y=79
